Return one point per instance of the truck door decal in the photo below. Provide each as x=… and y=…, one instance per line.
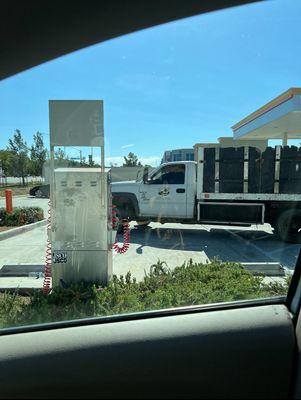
x=164, y=192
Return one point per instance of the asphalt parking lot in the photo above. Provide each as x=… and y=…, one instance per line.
x=172, y=243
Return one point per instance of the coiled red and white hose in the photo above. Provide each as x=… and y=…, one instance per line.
x=47, y=268
x=126, y=233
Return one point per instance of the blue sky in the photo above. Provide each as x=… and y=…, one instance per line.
x=169, y=86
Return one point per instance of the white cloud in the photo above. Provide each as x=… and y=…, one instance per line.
x=154, y=161
x=127, y=145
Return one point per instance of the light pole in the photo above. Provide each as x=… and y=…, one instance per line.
x=80, y=153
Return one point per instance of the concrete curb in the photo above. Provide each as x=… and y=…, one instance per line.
x=266, y=268
x=20, y=196
x=21, y=229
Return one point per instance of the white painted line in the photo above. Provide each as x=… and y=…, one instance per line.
x=261, y=237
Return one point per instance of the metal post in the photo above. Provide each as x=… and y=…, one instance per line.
x=216, y=184
x=51, y=181
x=102, y=175
x=284, y=139
x=277, y=169
x=9, y=201
x=246, y=170
x=200, y=171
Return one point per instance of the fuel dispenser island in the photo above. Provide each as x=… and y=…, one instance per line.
x=81, y=235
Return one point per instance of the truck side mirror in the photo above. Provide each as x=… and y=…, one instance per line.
x=145, y=175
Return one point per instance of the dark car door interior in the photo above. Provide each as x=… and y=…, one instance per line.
x=245, y=352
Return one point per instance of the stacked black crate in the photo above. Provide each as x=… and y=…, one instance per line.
x=254, y=170
x=231, y=169
x=209, y=170
x=267, y=170
x=290, y=170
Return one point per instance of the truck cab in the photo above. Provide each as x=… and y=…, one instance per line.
x=168, y=194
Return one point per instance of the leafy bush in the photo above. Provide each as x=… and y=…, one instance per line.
x=21, y=216
x=189, y=284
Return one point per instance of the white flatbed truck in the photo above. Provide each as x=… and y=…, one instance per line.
x=237, y=186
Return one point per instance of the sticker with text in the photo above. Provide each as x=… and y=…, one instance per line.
x=59, y=258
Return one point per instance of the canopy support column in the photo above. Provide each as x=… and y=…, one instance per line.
x=284, y=139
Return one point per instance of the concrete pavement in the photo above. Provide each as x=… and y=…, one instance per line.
x=177, y=243
x=172, y=243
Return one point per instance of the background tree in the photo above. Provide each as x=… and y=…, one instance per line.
x=91, y=161
x=19, y=161
x=38, y=155
x=131, y=161
x=60, y=154
x=5, y=161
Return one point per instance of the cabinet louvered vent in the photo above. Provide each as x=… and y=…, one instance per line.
x=78, y=183
x=93, y=183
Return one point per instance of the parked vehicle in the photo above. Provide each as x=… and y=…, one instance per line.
x=40, y=191
x=226, y=186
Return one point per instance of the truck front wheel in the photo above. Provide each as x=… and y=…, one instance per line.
x=288, y=226
x=118, y=221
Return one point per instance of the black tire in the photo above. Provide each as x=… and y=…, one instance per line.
x=42, y=191
x=32, y=191
x=45, y=191
x=120, y=228
x=288, y=226
x=39, y=193
x=118, y=224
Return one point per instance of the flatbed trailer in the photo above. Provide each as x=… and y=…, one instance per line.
x=269, y=183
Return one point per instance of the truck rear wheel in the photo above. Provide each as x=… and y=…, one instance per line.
x=288, y=226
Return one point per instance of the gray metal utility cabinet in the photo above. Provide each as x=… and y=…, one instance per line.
x=81, y=232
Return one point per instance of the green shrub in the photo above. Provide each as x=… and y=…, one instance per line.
x=21, y=216
x=189, y=284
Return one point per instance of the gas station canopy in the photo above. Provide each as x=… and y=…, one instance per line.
x=278, y=119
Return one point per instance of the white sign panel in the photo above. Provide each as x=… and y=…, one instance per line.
x=76, y=122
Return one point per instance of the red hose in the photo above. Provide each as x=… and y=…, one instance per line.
x=126, y=240
x=126, y=233
x=114, y=218
x=47, y=268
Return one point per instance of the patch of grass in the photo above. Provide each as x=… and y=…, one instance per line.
x=188, y=284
